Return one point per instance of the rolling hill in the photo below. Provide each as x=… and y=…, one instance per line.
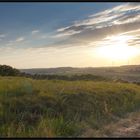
x=130, y=73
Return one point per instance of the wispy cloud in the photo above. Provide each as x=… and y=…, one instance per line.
x=20, y=39
x=65, y=34
x=123, y=14
x=35, y=32
x=14, y=42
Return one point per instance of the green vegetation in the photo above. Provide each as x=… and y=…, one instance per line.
x=8, y=71
x=53, y=108
x=75, y=77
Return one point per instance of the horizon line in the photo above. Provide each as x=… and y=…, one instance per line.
x=79, y=67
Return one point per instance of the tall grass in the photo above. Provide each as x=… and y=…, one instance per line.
x=56, y=108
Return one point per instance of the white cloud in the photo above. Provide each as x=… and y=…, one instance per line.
x=122, y=14
x=20, y=39
x=35, y=32
x=118, y=12
x=14, y=42
x=62, y=29
x=71, y=32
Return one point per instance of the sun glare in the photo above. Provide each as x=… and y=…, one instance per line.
x=117, y=48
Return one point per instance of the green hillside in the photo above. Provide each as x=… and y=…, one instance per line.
x=53, y=108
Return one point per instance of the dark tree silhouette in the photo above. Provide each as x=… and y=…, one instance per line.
x=6, y=70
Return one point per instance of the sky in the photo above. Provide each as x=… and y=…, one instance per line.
x=44, y=35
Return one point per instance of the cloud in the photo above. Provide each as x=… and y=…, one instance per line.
x=127, y=38
x=122, y=14
x=89, y=36
x=16, y=41
x=135, y=41
x=20, y=39
x=65, y=34
x=35, y=32
x=121, y=19
x=73, y=27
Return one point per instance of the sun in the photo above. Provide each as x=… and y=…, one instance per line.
x=117, y=48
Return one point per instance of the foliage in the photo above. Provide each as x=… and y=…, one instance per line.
x=8, y=71
x=53, y=108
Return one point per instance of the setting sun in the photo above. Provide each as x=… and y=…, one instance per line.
x=117, y=49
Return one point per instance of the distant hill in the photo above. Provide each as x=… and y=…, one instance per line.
x=86, y=70
x=59, y=70
x=129, y=73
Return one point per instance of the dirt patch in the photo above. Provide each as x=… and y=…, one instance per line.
x=125, y=127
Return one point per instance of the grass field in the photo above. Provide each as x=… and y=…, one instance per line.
x=57, y=108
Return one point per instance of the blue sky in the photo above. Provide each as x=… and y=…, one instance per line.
x=21, y=18
x=26, y=28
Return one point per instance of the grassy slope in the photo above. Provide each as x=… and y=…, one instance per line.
x=53, y=108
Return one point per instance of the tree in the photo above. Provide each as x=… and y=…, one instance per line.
x=6, y=70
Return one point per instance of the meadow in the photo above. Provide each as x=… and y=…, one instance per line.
x=60, y=108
